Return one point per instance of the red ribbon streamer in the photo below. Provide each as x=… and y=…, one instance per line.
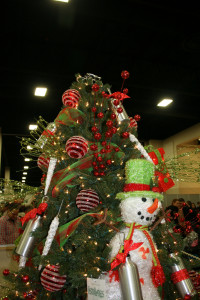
x=35, y=211
x=179, y=276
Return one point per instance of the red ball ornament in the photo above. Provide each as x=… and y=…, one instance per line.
x=107, y=147
x=6, y=272
x=93, y=147
x=187, y=297
x=116, y=102
x=132, y=123
x=114, y=130
x=97, y=136
x=100, y=115
x=103, y=151
x=102, y=166
x=99, y=158
x=108, y=134
x=102, y=173
x=120, y=110
x=51, y=279
x=137, y=118
x=109, y=123
x=117, y=149
x=103, y=143
x=94, y=129
x=95, y=87
x=87, y=200
x=109, y=162
x=94, y=163
x=94, y=109
x=96, y=168
x=5, y=298
x=125, y=74
x=76, y=147
x=125, y=134
x=125, y=91
x=96, y=174
x=70, y=98
x=25, y=278
x=113, y=116
x=43, y=163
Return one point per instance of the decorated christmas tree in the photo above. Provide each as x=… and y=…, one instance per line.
x=93, y=164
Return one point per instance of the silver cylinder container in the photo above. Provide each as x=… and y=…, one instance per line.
x=120, y=116
x=28, y=242
x=184, y=287
x=129, y=281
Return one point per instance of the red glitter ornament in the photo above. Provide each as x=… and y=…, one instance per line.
x=102, y=173
x=76, y=147
x=103, y=151
x=109, y=162
x=125, y=134
x=113, y=116
x=94, y=109
x=43, y=162
x=120, y=110
x=100, y=115
x=109, y=123
x=114, y=130
x=25, y=278
x=99, y=158
x=116, y=102
x=94, y=129
x=108, y=134
x=87, y=200
x=103, y=143
x=96, y=174
x=125, y=91
x=117, y=149
x=137, y=118
x=102, y=166
x=187, y=297
x=95, y=87
x=93, y=147
x=94, y=163
x=70, y=98
x=125, y=74
x=97, y=136
x=51, y=279
x=6, y=272
x=108, y=147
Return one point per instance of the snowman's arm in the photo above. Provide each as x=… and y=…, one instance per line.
x=115, y=245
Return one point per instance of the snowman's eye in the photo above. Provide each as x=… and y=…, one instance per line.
x=144, y=199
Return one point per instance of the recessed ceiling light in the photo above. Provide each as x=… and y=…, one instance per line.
x=32, y=127
x=40, y=91
x=23, y=177
x=165, y=102
x=23, y=180
x=66, y=1
x=26, y=167
x=24, y=173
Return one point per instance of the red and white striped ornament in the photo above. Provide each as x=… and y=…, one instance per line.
x=76, y=147
x=133, y=123
x=87, y=200
x=70, y=98
x=43, y=163
x=51, y=279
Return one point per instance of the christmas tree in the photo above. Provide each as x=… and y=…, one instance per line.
x=82, y=154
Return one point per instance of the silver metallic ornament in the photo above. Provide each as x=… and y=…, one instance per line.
x=184, y=286
x=28, y=241
x=129, y=280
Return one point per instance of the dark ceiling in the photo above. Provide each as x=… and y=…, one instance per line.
x=46, y=43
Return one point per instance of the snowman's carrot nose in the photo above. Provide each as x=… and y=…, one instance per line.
x=153, y=207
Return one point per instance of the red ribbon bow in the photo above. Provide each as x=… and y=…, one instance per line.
x=121, y=257
x=35, y=211
x=118, y=95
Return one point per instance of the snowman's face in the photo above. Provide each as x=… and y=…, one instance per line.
x=141, y=210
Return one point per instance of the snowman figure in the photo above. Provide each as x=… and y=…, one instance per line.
x=139, y=208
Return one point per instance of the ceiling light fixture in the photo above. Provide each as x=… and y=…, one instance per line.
x=66, y=1
x=26, y=167
x=24, y=173
x=165, y=102
x=40, y=91
x=32, y=127
x=23, y=177
x=23, y=180
x=27, y=159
